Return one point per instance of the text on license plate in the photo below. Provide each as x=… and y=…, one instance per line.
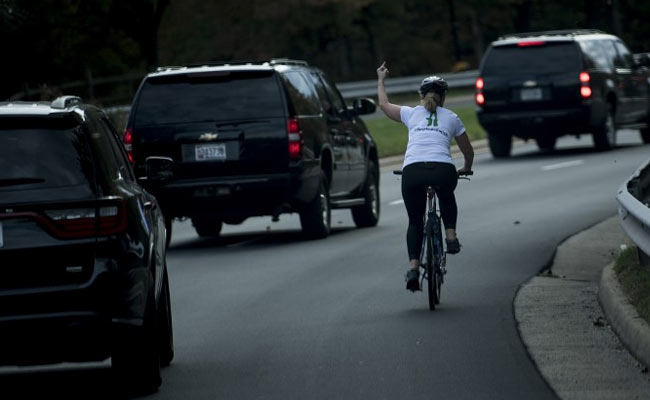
x=208, y=152
x=531, y=94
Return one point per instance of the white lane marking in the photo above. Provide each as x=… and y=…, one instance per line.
x=396, y=202
x=562, y=165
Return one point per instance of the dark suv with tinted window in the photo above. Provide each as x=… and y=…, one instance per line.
x=548, y=84
x=82, y=246
x=253, y=139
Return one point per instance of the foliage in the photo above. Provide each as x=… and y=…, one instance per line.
x=55, y=41
x=635, y=280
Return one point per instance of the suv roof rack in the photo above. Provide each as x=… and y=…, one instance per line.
x=287, y=61
x=274, y=61
x=63, y=102
x=562, y=32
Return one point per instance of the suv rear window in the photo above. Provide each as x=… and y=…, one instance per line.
x=46, y=153
x=228, y=96
x=537, y=60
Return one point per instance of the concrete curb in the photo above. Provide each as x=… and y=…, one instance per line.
x=631, y=329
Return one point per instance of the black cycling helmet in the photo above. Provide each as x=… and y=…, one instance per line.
x=433, y=84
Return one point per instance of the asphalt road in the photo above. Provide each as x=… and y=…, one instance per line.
x=261, y=313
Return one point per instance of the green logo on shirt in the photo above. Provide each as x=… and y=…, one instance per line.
x=431, y=119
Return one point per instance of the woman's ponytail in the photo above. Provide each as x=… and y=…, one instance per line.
x=430, y=101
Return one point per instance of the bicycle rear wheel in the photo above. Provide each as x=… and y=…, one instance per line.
x=438, y=254
x=432, y=276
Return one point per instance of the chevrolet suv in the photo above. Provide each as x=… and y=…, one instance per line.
x=548, y=84
x=82, y=246
x=253, y=139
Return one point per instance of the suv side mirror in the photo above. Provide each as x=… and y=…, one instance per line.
x=364, y=106
x=159, y=169
x=642, y=59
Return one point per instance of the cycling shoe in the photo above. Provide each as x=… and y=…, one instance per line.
x=413, y=280
x=453, y=246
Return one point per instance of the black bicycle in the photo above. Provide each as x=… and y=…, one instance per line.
x=433, y=258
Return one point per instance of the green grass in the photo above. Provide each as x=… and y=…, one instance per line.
x=391, y=136
x=635, y=280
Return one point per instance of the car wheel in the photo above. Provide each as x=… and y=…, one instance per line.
x=207, y=226
x=605, y=135
x=645, y=135
x=315, y=216
x=368, y=214
x=165, y=323
x=500, y=145
x=546, y=143
x=135, y=359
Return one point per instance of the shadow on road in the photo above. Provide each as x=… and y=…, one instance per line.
x=535, y=154
x=255, y=238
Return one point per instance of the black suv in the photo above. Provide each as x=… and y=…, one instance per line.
x=83, y=275
x=547, y=84
x=253, y=139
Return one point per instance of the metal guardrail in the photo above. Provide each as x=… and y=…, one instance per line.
x=404, y=84
x=350, y=90
x=634, y=212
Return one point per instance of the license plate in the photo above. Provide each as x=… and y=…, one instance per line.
x=210, y=152
x=1, y=241
x=531, y=94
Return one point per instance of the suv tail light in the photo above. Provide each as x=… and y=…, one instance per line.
x=480, y=98
x=295, y=138
x=585, y=88
x=103, y=218
x=529, y=43
x=128, y=143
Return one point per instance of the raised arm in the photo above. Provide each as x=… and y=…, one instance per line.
x=392, y=111
x=466, y=148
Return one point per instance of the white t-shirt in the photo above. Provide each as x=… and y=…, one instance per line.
x=428, y=141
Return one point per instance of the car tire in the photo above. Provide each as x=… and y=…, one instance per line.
x=500, y=145
x=165, y=323
x=135, y=359
x=546, y=143
x=316, y=216
x=645, y=135
x=207, y=226
x=605, y=135
x=368, y=214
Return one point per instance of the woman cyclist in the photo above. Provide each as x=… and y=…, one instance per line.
x=427, y=162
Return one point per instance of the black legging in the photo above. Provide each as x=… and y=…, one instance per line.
x=415, y=179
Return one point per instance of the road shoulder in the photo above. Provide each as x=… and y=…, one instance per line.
x=564, y=328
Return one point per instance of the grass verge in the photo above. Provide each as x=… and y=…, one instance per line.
x=391, y=136
x=635, y=280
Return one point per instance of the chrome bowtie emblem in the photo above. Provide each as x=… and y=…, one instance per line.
x=206, y=137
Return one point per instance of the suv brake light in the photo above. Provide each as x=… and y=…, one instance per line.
x=480, y=98
x=585, y=89
x=295, y=138
x=128, y=143
x=529, y=43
